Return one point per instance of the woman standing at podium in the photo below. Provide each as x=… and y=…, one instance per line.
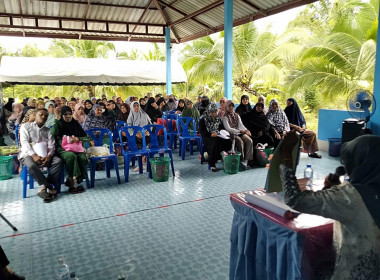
x=354, y=205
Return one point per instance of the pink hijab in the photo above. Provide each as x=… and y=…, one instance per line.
x=79, y=118
x=222, y=109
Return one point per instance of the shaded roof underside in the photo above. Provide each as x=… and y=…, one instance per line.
x=129, y=20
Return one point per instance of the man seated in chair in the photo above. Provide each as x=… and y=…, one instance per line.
x=31, y=134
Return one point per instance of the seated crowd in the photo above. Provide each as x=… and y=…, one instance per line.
x=57, y=121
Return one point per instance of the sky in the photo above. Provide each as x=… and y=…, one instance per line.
x=276, y=22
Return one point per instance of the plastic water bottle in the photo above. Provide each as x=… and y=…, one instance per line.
x=308, y=173
x=62, y=271
x=72, y=276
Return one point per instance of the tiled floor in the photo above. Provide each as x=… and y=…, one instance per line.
x=123, y=229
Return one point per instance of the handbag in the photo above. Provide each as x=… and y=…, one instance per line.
x=75, y=147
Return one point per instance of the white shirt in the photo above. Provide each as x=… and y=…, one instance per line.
x=31, y=133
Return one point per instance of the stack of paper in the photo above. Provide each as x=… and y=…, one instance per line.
x=272, y=202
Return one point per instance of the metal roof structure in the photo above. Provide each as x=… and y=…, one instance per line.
x=129, y=20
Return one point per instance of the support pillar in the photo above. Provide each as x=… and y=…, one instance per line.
x=168, y=62
x=228, y=21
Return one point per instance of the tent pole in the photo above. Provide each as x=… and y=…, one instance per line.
x=375, y=120
x=228, y=21
x=168, y=62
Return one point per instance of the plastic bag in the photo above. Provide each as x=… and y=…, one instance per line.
x=76, y=147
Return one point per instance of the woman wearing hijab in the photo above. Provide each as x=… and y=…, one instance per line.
x=262, y=99
x=191, y=111
x=354, y=205
x=244, y=106
x=98, y=118
x=40, y=105
x=204, y=104
x=278, y=118
x=152, y=110
x=125, y=109
x=31, y=104
x=233, y=124
x=142, y=103
x=9, y=105
x=297, y=122
x=14, y=119
x=180, y=107
x=79, y=114
x=222, y=107
x=137, y=117
x=51, y=117
x=75, y=163
x=209, y=127
x=87, y=107
x=262, y=131
x=161, y=103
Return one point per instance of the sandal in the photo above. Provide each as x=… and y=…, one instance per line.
x=315, y=155
x=43, y=194
x=50, y=198
x=80, y=189
x=213, y=169
x=73, y=190
x=69, y=182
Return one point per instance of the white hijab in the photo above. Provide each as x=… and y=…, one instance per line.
x=139, y=118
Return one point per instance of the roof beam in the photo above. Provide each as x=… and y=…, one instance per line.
x=182, y=13
x=78, y=30
x=255, y=7
x=84, y=37
x=95, y=4
x=253, y=17
x=140, y=19
x=22, y=18
x=203, y=10
x=166, y=20
x=84, y=24
x=11, y=16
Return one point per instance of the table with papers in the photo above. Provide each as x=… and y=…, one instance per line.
x=268, y=246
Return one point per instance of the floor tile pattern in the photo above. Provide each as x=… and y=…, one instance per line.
x=141, y=229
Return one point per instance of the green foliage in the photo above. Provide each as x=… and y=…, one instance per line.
x=311, y=98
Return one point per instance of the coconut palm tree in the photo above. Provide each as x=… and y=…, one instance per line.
x=344, y=59
x=203, y=60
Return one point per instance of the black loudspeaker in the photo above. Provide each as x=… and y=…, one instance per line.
x=351, y=129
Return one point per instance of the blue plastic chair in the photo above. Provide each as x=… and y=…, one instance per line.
x=97, y=135
x=186, y=136
x=171, y=130
x=115, y=133
x=155, y=147
x=133, y=151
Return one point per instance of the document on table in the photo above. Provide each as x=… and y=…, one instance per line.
x=272, y=202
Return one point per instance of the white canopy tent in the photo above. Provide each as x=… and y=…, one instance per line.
x=86, y=71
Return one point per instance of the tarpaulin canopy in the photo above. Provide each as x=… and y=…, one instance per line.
x=86, y=71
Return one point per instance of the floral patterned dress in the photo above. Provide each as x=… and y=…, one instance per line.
x=356, y=235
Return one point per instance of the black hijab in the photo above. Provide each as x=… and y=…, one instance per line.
x=152, y=112
x=68, y=128
x=181, y=108
x=294, y=114
x=361, y=160
x=242, y=109
x=165, y=107
x=86, y=111
x=256, y=121
x=204, y=104
x=8, y=106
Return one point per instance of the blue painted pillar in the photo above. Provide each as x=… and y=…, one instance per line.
x=168, y=62
x=375, y=119
x=228, y=19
